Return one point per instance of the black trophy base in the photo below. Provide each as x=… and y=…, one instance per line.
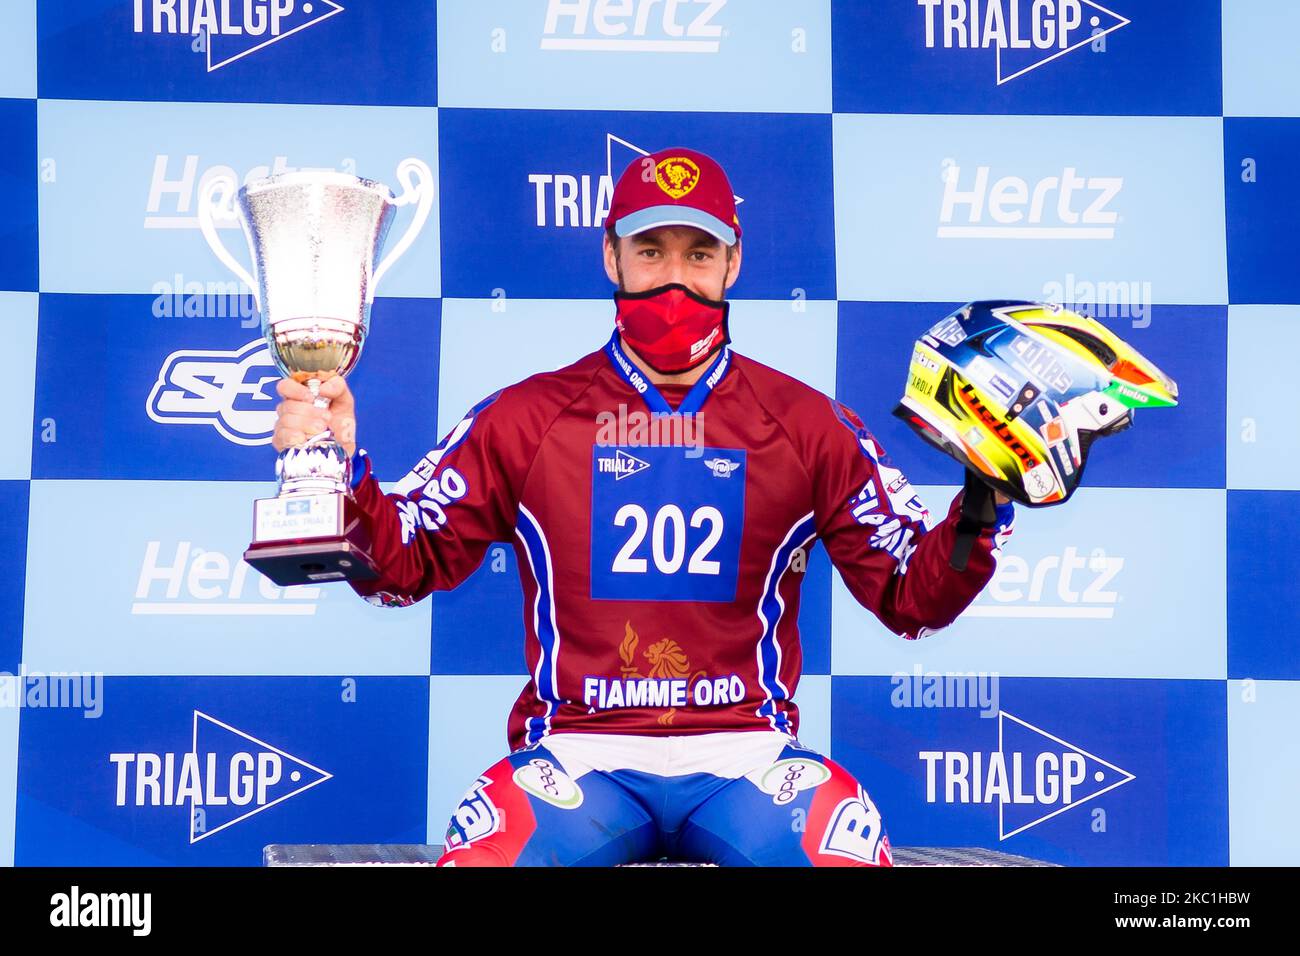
x=312, y=562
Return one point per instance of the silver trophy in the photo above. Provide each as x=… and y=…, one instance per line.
x=315, y=238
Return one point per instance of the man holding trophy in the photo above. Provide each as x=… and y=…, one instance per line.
x=661, y=590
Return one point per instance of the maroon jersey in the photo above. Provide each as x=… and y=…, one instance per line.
x=661, y=547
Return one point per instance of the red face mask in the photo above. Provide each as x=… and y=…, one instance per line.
x=671, y=327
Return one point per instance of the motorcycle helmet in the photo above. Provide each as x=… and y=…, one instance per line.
x=1018, y=392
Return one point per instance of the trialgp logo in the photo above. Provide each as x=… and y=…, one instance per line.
x=1032, y=776
x=1065, y=585
x=229, y=30
x=976, y=205
x=225, y=777
x=1025, y=34
x=565, y=198
x=230, y=391
x=640, y=26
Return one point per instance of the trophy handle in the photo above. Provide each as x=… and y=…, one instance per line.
x=207, y=202
x=420, y=189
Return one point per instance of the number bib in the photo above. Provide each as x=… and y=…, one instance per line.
x=665, y=527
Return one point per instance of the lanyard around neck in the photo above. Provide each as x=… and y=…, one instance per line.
x=694, y=399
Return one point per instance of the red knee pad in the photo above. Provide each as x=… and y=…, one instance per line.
x=492, y=822
x=844, y=826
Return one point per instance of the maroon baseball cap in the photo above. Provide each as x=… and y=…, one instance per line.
x=674, y=187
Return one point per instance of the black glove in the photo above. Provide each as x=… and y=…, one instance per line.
x=978, y=511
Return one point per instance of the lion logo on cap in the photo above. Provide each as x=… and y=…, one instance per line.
x=677, y=175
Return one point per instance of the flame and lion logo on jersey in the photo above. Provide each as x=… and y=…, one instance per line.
x=666, y=659
x=659, y=676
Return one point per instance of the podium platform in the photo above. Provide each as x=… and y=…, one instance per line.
x=421, y=854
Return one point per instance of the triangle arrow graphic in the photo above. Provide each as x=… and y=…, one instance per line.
x=1100, y=15
x=1099, y=776
x=328, y=8
x=312, y=779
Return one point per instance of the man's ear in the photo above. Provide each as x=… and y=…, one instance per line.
x=611, y=267
x=733, y=265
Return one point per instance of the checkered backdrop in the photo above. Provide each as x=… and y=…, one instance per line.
x=893, y=159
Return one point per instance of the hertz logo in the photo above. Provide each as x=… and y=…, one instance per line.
x=627, y=26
